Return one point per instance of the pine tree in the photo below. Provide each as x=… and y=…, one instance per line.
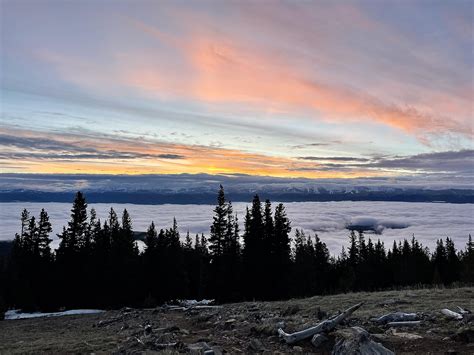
x=453, y=265
x=253, y=250
x=467, y=262
x=42, y=238
x=151, y=239
x=281, y=253
x=219, y=225
x=188, y=242
x=353, y=250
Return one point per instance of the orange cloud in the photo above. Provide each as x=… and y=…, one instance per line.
x=226, y=71
x=31, y=151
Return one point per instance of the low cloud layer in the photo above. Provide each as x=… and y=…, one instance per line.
x=330, y=220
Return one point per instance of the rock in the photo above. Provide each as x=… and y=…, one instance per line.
x=464, y=335
x=318, y=340
x=200, y=348
x=230, y=323
x=256, y=345
x=291, y=310
x=148, y=329
x=404, y=335
x=375, y=330
x=297, y=349
x=356, y=340
x=218, y=350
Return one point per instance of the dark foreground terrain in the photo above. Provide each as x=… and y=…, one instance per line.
x=250, y=327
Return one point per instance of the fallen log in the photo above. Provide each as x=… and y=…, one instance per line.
x=356, y=340
x=323, y=327
x=404, y=324
x=463, y=310
x=396, y=317
x=451, y=314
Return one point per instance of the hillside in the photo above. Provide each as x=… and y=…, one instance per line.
x=250, y=326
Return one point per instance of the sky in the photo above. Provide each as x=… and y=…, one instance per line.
x=299, y=89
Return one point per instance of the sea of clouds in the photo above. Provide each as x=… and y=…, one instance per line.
x=330, y=220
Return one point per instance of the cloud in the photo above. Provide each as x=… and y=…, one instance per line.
x=170, y=156
x=353, y=69
x=88, y=151
x=452, y=162
x=368, y=224
x=334, y=159
x=461, y=161
x=91, y=152
x=309, y=145
x=228, y=71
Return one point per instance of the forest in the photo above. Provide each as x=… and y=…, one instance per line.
x=98, y=263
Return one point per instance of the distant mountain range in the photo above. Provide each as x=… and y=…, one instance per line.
x=202, y=188
x=208, y=197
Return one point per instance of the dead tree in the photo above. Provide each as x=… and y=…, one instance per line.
x=396, y=317
x=323, y=327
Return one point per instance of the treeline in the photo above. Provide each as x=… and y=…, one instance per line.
x=98, y=264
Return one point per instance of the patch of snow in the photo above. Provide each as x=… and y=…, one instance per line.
x=17, y=314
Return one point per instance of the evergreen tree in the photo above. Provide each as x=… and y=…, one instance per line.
x=43, y=241
x=439, y=261
x=253, y=250
x=453, y=264
x=218, y=228
x=467, y=262
x=281, y=254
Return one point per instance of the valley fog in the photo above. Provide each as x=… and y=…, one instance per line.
x=390, y=220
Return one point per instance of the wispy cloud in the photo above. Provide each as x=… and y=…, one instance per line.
x=36, y=151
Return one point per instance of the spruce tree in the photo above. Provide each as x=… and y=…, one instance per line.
x=467, y=262
x=280, y=253
x=42, y=239
x=219, y=225
x=253, y=250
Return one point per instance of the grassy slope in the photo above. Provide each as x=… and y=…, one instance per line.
x=252, y=321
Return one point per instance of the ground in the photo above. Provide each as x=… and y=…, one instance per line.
x=248, y=327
